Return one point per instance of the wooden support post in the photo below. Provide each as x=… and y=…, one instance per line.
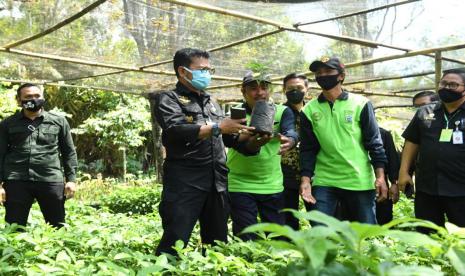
x=438, y=68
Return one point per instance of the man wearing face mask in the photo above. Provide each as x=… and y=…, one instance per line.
x=35, y=146
x=435, y=134
x=341, y=151
x=195, y=133
x=295, y=86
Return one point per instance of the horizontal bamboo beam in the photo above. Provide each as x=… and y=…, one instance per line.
x=369, y=93
x=412, y=53
x=93, y=76
x=56, y=26
x=357, y=13
x=410, y=90
x=393, y=106
x=389, y=78
x=44, y=83
x=450, y=47
x=101, y=65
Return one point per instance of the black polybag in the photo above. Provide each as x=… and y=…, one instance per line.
x=263, y=117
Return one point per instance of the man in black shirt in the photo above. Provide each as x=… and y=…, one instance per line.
x=195, y=172
x=295, y=87
x=35, y=146
x=436, y=134
x=420, y=99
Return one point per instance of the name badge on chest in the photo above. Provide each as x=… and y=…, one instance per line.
x=457, y=136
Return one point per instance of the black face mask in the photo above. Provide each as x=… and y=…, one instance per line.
x=449, y=96
x=33, y=105
x=295, y=96
x=327, y=82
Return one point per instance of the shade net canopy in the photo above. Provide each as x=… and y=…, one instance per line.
x=128, y=45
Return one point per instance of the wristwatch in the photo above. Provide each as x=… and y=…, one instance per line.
x=216, y=131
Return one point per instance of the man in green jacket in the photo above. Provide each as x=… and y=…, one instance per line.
x=341, y=148
x=35, y=146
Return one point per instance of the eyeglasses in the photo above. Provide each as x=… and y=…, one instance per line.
x=450, y=85
x=203, y=70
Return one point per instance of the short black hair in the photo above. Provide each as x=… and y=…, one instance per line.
x=295, y=76
x=427, y=93
x=457, y=71
x=25, y=85
x=183, y=57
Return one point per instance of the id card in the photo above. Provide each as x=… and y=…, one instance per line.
x=446, y=135
x=457, y=137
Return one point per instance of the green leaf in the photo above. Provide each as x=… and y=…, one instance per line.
x=317, y=250
x=368, y=230
x=62, y=256
x=149, y=270
x=455, y=230
x=281, y=230
x=457, y=258
x=122, y=256
x=402, y=270
x=413, y=238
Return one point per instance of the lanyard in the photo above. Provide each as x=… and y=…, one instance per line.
x=448, y=119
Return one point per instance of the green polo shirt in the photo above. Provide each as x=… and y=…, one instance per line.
x=41, y=151
x=342, y=160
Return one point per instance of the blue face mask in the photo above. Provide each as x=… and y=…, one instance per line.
x=200, y=78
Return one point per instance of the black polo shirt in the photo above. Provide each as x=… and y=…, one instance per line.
x=441, y=165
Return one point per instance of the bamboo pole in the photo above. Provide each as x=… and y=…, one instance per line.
x=362, y=42
x=369, y=93
x=392, y=106
x=438, y=67
x=56, y=26
x=232, y=85
x=210, y=8
x=356, y=13
x=99, y=64
x=409, y=54
x=425, y=51
x=389, y=78
x=94, y=76
x=413, y=90
x=45, y=83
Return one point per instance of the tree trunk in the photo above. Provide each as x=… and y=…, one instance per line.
x=158, y=147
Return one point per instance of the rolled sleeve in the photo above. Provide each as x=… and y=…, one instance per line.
x=371, y=137
x=172, y=120
x=309, y=147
